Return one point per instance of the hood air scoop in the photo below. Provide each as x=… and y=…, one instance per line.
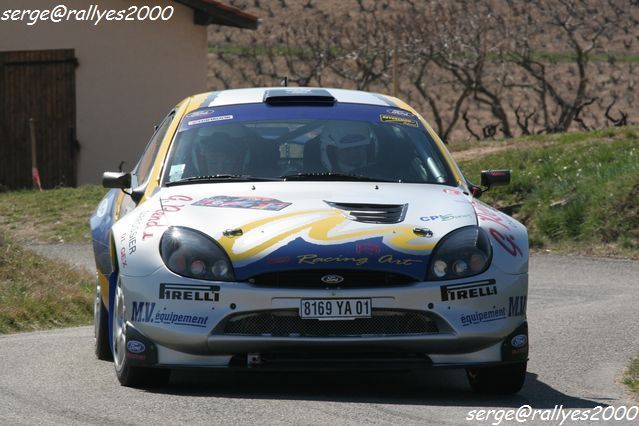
x=372, y=213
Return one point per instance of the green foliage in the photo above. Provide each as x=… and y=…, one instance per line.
x=631, y=378
x=37, y=293
x=576, y=191
x=50, y=216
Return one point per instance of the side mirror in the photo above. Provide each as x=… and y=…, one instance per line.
x=137, y=194
x=491, y=178
x=475, y=190
x=119, y=180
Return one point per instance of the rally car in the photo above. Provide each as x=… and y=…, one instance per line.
x=306, y=228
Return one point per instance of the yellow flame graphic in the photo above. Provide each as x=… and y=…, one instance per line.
x=401, y=238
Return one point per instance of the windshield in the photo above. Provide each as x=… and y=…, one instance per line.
x=369, y=142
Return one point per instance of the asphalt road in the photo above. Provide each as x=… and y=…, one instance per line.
x=584, y=323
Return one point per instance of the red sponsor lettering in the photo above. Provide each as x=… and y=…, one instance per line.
x=123, y=251
x=179, y=198
x=278, y=260
x=507, y=242
x=155, y=220
x=370, y=249
x=490, y=215
x=172, y=208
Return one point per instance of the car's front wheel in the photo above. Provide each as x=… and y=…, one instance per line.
x=503, y=379
x=128, y=375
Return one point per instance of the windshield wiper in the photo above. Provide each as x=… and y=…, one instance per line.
x=222, y=178
x=333, y=177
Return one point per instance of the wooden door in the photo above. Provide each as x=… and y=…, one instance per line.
x=38, y=84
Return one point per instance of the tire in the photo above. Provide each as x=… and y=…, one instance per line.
x=503, y=379
x=128, y=375
x=101, y=328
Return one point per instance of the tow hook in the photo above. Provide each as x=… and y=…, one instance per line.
x=253, y=360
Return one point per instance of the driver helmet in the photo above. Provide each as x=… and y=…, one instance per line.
x=345, y=145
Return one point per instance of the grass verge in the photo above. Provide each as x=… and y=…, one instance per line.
x=36, y=293
x=631, y=378
x=577, y=193
x=51, y=216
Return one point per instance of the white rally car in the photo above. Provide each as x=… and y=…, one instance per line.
x=306, y=228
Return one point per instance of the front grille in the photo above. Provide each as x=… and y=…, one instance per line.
x=372, y=213
x=313, y=279
x=287, y=323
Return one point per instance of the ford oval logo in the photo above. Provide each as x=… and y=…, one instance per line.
x=519, y=341
x=135, y=347
x=332, y=279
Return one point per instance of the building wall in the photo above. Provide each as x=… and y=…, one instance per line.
x=130, y=74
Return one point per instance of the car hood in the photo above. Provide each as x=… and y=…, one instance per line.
x=277, y=226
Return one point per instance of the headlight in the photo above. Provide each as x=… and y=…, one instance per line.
x=462, y=253
x=192, y=254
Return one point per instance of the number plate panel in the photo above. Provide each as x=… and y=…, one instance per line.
x=335, y=309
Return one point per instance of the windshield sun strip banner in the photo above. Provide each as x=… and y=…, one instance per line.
x=210, y=116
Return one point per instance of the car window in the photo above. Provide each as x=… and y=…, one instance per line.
x=144, y=166
x=363, y=140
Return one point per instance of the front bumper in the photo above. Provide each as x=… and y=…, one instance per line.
x=186, y=325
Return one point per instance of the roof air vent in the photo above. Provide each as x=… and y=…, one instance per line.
x=296, y=96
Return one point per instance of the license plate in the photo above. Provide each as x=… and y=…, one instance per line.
x=335, y=308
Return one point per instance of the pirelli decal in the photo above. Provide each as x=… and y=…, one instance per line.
x=468, y=290
x=192, y=292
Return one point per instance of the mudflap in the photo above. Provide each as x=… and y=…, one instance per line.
x=514, y=348
x=140, y=351
x=113, y=281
